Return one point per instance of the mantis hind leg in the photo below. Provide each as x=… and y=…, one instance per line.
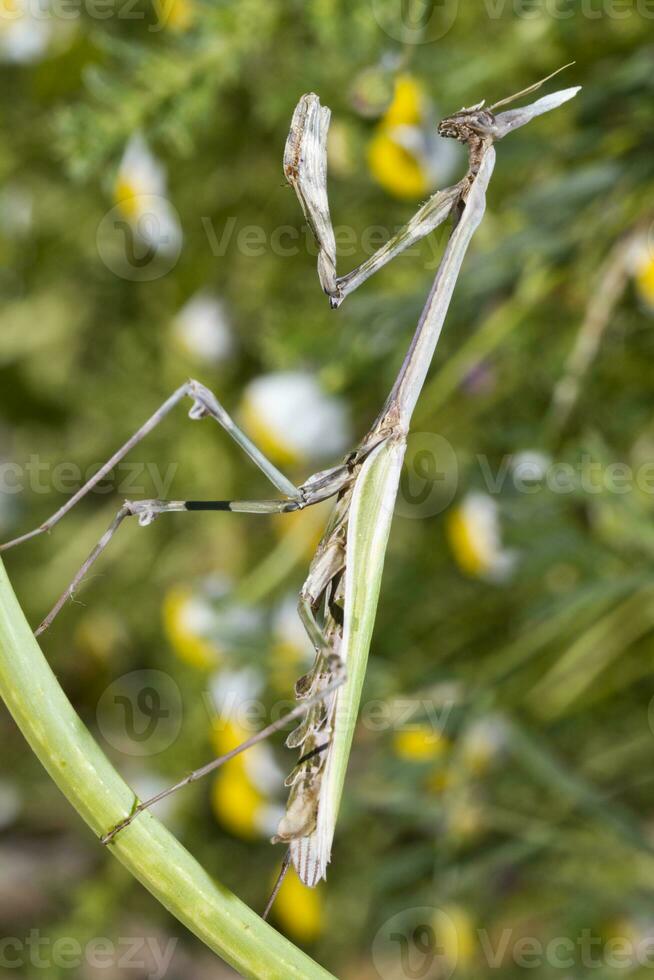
x=146, y=511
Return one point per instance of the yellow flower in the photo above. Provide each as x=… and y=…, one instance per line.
x=226, y=735
x=645, y=282
x=242, y=790
x=405, y=155
x=473, y=533
x=642, y=263
x=304, y=528
x=409, y=104
x=455, y=935
x=178, y=15
x=420, y=743
x=630, y=930
x=299, y=910
x=236, y=801
x=440, y=781
x=395, y=168
x=185, y=619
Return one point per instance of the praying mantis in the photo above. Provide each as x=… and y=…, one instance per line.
x=338, y=601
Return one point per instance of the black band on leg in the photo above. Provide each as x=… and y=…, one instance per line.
x=208, y=505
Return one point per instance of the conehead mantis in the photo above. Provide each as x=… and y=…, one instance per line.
x=338, y=601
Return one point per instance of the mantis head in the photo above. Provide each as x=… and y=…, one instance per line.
x=467, y=124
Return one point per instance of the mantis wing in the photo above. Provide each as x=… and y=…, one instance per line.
x=369, y=525
x=506, y=122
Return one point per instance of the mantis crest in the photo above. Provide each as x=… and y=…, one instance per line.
x=338, y=601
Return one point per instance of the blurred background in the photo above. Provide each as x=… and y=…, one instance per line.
x=498, y=815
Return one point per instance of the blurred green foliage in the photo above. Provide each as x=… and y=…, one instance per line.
x=545, y=829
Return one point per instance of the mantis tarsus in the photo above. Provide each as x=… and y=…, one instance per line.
x=338, y=601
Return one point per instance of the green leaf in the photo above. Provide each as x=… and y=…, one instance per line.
x=152, y=854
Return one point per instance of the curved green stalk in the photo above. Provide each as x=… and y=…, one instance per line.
x=152, y=854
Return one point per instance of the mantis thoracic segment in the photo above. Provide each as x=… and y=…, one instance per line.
x=338, y=601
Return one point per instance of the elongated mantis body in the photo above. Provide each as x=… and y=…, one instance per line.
x=338, y=601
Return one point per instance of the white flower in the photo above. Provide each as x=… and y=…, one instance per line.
x=483, y=743
x=30, y=29
x=473, y=531
x=262, y=768
x=204, y=627
x=290, y=635
x=202, y=328
x=140, y=193
x=26, y=29
x=268, y=818
x=530, y=466
x=230, y=689
x=291, y=419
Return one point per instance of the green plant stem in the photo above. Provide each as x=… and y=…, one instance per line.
x=152, y=854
